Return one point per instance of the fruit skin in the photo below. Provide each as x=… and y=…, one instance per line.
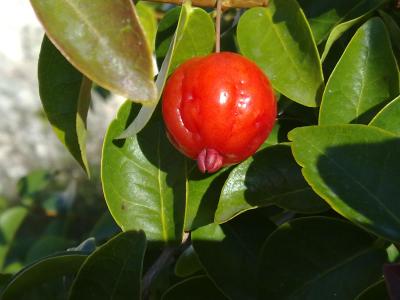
x=218, y=109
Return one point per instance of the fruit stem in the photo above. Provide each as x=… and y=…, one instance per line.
x=209, y=161
x=218, y=27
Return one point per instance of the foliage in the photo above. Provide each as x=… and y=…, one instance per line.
x=313, y=214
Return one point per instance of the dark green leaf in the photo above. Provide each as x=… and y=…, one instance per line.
x=104, y=228
x=388, y=117
x=194, y=36
x=104, y=40
x=318, y=258
x=355, y=168
x=374, y=292
x=195, y=288
x=188, y=263
x=364, y=80
x=65, y=95
x=144, y=179
x=392, y=278
x=323, y=16
x=43, y=271
x=10, y=221
x=393, y=28
x=47, y=245
x=270, y=177
x=229, y=253
x=279, y=40
x=113, y=271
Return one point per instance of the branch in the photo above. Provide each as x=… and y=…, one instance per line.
x=225, y=3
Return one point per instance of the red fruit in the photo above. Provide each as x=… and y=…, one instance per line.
x=218, y=109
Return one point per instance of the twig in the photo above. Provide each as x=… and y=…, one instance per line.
x=225, y=3
x=167, y=257
x=218, y=27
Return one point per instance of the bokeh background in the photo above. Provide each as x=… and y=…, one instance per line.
x=27, y=141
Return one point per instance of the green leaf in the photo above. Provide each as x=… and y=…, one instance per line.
x=280, y=41
x=203, y=192
x=270, y=177
x=340, y=29
x=199, y=288
x=187, y=263
x=47, y=245
x=355, y=169
x=10, y=222
x=364, y=80
x=65, y=95
x=376, y=291
x=323, y=16
x=104, y=40
x=41, y=272
x=4, y=280
x=229, y=253
x=194, y=36
x=144, y=179
x=309, y=258
x=113, y=271
x=148, y=20
x=33, y=183
x=388, y=117
x=393, y=28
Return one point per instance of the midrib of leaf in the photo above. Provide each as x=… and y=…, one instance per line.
x=395, y=218
x=275, y=30
x=326, y=272
x=358, y=104
x=98, y=35
x=114, y=289
x=163, y=225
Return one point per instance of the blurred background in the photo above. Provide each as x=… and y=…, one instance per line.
x=46, y=202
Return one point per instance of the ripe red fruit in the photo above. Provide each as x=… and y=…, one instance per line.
x=218, y=109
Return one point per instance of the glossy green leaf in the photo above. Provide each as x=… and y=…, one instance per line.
x=270, y=177
x=104, y=40
x=364, y=80
x=318, y=258
x=195, y=288
x=10, y=221
x=374, y=292
x=47, y=245
x=41, y=272
x=323, y=16
x=187, y=263
x=194, y=36
x=65, y=95
x=229, y=253
x=148, y=20
x=355, y=169
x=203, y=193
x=280, y=41
x=113, y=271
x=388, y=117
x=340, y=29
x=144, y=179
